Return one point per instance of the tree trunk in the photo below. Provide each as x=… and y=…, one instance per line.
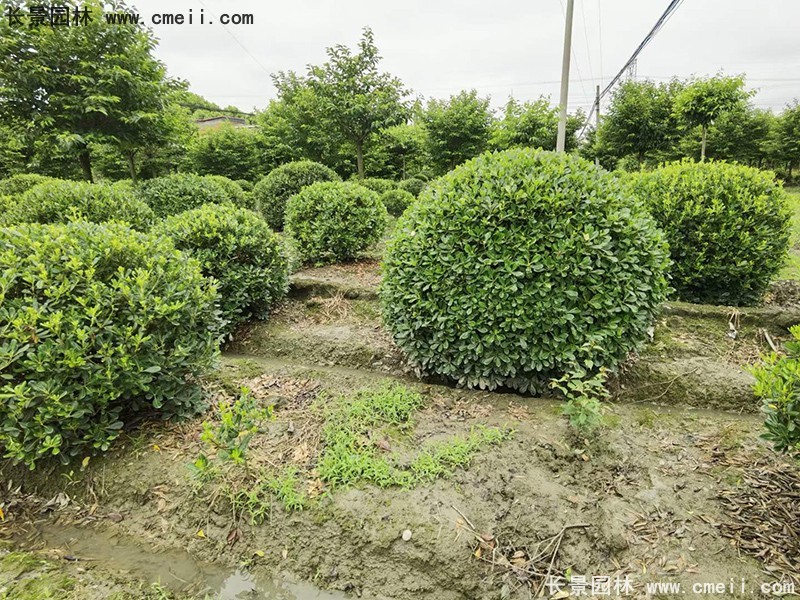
x=789, y=174
x=86, y=164
x=131, y=158
x=360, y=159
x=703, y=145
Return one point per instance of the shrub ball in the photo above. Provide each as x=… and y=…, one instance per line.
x=727, y=226
x=334, y=221
x=272, y=192
x=521, y=266
x=172, y=194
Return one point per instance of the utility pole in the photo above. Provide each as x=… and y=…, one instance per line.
x=596, y=120
x=562, y=117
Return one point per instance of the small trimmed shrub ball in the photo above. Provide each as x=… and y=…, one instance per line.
x=521, y=266
x=100, y=324
x=396, y=201
x=413, y=185
x=237, y=248
x=172, y=194
x=334, y=221
x=727, y=226
x=272, y=192
x=59, y=201
x=17, y=185
x=376, y=184
x=233, y=190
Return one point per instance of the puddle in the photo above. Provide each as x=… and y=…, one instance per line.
x=175, y=570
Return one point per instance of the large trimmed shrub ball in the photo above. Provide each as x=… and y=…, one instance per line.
x=237, y=248
x=21, y=183
x=727, y=226
x=99, y=324
x=172, y=194
x=397, y=201
x=234, y=191
x=59, y=201
x=334, y=221
x=521, y=266
x=272, y=192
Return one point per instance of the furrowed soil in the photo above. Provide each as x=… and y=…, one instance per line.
x=663, y=492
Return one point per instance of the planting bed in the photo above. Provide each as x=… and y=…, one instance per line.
x=676, y=486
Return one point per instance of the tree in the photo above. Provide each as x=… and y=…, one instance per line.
x=77, y=85
x=534, y=125
x=702, y=101
x=741, y=135
x=788, y=137
x=459, y=128
x=639, y=122
x=399, y=152
x=234, y=152
x=350, y=94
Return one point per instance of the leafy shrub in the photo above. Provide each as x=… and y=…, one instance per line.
x=172, y=194
x=59, y=201
x=396, y=201
x=6, y=202
x=778, y=385
x=334, y=221
x=17, y=185
x=272, y=192
x=727, y=226
x=376, y=184
x=237, y=248
x=233, y=190
x=413, y=186
x=521, y=266
x=98, y=323
x=247, y=186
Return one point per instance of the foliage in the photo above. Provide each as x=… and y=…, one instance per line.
x=246, y=185
x=639, y=122
x=73, y=86
x=520, y=266
x=272, y=192
x=236, y=424
x=396, y=201
x=458, y=129
x=60, y=201
x=349, y=94
x=99, y=323
x=702, y=101
x=350, y=457
x=413, y=186
x=533, y=125
x=778, y=385
x=398, y=152
x=333, y=221
x=178, y=192
x=584, y=394
x=788, y=137
x=727, y=226
x=234, y=191
x=16, y=185
x=377, y=184
x=235, y=152
x=237, y=248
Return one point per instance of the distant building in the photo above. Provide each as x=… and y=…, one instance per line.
x=221, y=120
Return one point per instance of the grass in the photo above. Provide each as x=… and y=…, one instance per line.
x=360, y=430
x=792, y=268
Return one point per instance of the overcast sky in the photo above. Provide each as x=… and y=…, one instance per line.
x=499, y=47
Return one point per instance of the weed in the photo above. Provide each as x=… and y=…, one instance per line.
x=238, y=422
x=584, y=394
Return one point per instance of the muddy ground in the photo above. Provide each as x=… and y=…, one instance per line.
x=665, y=491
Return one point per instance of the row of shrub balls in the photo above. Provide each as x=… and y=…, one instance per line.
x=514, y=268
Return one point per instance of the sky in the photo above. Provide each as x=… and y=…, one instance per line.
x=499, y=47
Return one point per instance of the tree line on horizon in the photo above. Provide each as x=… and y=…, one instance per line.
x=92, y=102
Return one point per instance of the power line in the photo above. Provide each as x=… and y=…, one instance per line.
x=662, y=20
